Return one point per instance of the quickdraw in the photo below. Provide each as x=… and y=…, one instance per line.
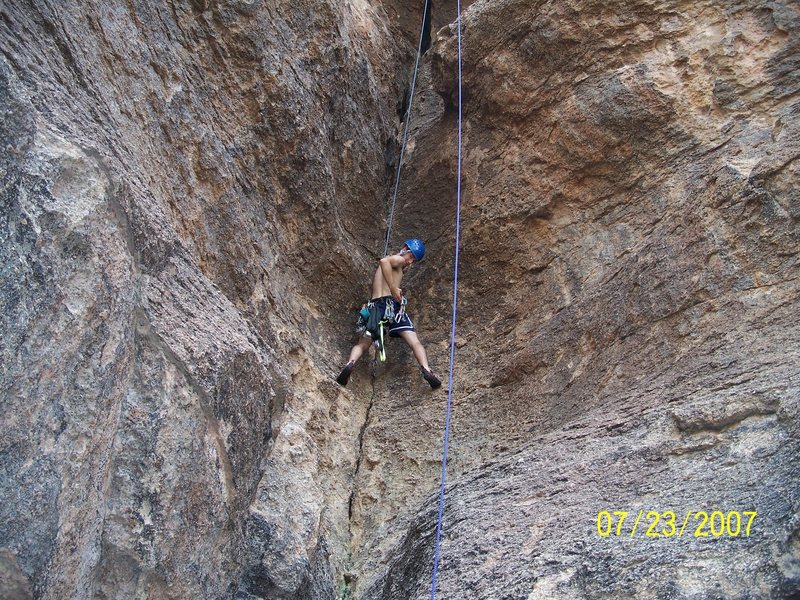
x=374, y=324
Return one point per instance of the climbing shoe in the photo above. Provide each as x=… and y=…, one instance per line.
x=344, y=376
x=430, y=378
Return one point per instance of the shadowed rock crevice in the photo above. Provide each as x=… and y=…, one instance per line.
x=426, y=26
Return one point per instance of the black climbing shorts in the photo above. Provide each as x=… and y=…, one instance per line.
x=387, y=309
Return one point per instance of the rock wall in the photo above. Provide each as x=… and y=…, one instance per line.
x=626, y=338
x=191, y=195
x=193, y=199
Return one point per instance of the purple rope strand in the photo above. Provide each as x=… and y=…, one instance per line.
x=452, y=329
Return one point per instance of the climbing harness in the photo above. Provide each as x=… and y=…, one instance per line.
x=453, y=325
x=373, y=321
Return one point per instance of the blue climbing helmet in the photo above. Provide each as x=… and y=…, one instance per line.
x=417, y=248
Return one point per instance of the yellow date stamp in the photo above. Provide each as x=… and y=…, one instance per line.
x=667, y=524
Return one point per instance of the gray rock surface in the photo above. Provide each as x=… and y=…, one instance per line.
x=187, y=189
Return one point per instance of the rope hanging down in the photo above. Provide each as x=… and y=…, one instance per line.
x=405, y=129
x=453, y=326
x=407, y=123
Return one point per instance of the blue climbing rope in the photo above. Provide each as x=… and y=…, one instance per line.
x=452, y=328
x=405, y=129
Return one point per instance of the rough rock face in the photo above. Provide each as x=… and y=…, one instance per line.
x=629, y=284
x=189, y=193
x=192, y=201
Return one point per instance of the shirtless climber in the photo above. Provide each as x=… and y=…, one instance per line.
x=387, y=303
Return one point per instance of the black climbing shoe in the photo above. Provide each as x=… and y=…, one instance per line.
x=431, y=378
x=344, y=376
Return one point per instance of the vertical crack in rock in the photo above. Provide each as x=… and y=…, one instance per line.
x=360, y=454
x=426, y=26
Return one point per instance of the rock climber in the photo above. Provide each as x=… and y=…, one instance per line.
x=388, y=305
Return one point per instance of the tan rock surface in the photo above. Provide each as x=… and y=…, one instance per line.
x=193, y=200
x=628, y=284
